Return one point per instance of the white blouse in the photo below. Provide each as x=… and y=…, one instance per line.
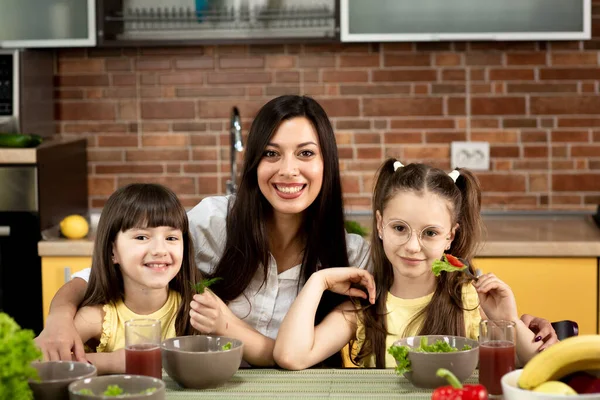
x=261, y=306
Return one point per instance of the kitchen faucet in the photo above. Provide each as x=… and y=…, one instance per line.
x=235, y=146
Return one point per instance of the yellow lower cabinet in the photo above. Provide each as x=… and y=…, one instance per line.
x=56, y=271
x=552, y=288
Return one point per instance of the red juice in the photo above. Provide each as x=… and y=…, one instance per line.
x=143, y=359
x=496, y=358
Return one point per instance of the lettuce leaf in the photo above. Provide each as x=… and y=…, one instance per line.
x=204, y=284
x=113, y=391
x=443, y=265
x=400, y=354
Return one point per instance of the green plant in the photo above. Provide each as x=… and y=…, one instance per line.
x=354, y=227
x=17, y=351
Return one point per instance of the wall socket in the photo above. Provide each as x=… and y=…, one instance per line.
x=471, y=155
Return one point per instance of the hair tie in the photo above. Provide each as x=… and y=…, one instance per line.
x=454, y=175
x=397, y=165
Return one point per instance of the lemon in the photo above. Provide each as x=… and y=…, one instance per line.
x=555, y=387
x=74, y=227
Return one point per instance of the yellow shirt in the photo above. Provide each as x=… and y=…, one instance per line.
x=401, y=311
x=115, y=315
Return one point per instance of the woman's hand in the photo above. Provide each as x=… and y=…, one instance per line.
x=208, y=313
x=496, y=298
x=340, y=280
x=542, y=328
x=58, y=339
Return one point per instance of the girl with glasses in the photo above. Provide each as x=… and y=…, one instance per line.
x=421, y=213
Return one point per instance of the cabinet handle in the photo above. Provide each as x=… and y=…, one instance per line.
x=67, y=274
x=4, y=230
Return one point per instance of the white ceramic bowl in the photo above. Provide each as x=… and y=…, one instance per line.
x=513, y=392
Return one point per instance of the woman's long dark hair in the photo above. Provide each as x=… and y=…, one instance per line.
x=141, y=205
x=444, y=314
x=247, y=245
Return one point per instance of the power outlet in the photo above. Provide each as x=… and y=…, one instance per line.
x=471, y=155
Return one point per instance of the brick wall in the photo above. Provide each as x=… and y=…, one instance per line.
x=161, y=114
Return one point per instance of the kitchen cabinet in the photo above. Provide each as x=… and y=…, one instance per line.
x=188, y=22
x=441, y=20
x=48, y=24
x=552, y=288
x=56, y=271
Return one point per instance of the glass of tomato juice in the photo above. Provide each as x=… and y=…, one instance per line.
x=142, y=347
x=497, y=352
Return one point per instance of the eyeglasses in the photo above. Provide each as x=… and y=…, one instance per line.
x=397, y=232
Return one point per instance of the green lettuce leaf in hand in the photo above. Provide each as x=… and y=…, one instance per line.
x=17, y=351
x=445, y=264
x=204, y=284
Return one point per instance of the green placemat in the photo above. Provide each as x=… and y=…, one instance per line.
x=308, y=384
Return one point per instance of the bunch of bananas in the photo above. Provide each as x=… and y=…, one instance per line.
x=577, y=353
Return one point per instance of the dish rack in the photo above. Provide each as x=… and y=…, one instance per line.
x=185, y=19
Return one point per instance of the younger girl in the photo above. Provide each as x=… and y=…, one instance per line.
x=421, y=212
x=143, y=267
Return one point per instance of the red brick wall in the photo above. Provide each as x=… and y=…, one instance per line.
x=161, y=115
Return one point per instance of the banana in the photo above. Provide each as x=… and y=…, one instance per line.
x=574, y=354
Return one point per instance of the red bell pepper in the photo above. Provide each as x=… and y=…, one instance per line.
x=456, y=391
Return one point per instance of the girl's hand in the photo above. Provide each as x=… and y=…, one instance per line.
x=340, y=280
x=108, y=363
x=496, y=298
x=206, y=315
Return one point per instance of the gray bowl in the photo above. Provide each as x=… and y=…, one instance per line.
x=55, y=377
x=199, y=362
x=425, y=365
x=132, y=385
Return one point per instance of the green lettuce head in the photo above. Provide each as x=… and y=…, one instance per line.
x=17, y=351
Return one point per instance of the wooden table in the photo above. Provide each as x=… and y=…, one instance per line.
x=308, y=384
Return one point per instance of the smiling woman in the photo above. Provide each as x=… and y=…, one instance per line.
x=285, y=223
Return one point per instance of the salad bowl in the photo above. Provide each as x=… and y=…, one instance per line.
x=201, y=361
x=422, y=356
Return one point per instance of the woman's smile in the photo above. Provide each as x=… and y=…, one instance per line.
x=289, y=190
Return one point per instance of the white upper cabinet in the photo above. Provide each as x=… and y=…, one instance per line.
x=47, y=23
x=437, y=20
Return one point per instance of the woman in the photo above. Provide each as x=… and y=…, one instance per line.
x=285, y=222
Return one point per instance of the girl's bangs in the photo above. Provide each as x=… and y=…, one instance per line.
x=154, y=213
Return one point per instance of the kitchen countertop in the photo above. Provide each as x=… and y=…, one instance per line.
x=28, y=155
x=507, y=236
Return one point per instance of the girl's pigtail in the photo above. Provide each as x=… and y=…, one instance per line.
x=374, y=317
x=380, y=191
x=471, y=228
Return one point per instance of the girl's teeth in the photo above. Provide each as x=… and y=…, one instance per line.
x=293, y=189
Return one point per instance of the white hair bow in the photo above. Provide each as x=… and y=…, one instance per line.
x=397, y=165
x=454, y=175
